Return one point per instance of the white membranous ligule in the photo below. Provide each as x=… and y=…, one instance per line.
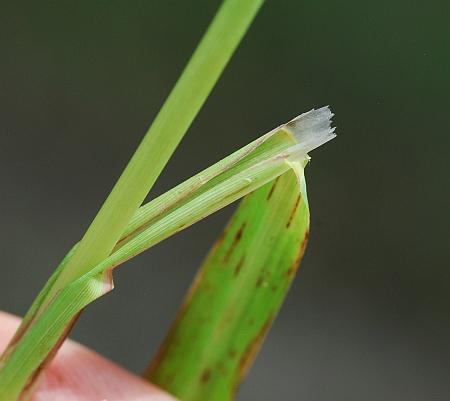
x=312, y=129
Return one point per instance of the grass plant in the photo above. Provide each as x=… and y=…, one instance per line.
x=245, y=278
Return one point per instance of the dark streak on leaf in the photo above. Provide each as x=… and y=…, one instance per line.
x=305, y=241
x=238, y=267
x=236, y=240
x=293, y=211
x=293, y=268
x=206, y=375
x=259, y=282
x=273, y=188
x=32, y=380
x=250, y=353
x=264, y=278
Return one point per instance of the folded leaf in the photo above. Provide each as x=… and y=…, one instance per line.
x=236, y=294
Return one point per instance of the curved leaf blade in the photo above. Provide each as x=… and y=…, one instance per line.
x=236, y=294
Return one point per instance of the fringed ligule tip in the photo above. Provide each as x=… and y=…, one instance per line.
x=312, y=129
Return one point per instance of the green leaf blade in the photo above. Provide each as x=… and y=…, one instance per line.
x=236, y=295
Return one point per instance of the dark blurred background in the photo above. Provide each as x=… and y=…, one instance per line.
x=368, y=316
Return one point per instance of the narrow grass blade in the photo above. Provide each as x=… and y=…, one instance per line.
x=184, y=102
x=236, y=294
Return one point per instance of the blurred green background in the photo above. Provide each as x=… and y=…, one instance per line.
x=368, y=316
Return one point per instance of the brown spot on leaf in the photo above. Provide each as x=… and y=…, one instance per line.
x=259, y=282
x=236, y=241
x=232, y=353
x=293, y=268
x=207, y=286
x=250, y=353
x=238, y=267
x=273, y=188
x=293, y=211
x=206, y=375
x=304, y=242
x=239, y=233
x=301, y=251
x=264, y=278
